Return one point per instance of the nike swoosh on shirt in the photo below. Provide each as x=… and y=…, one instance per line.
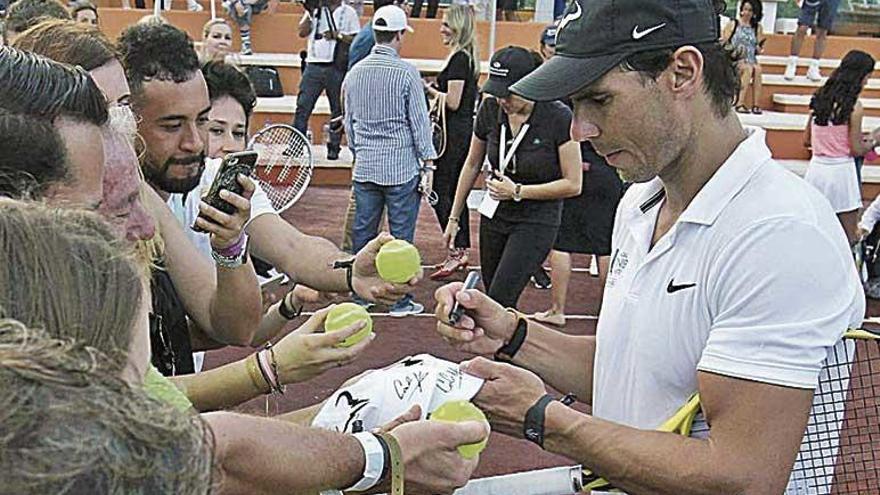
x=637, y=35
x=675, y=288
x=570, y=17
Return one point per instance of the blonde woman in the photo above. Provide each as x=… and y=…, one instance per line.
x=216, y=40
x=457, y=85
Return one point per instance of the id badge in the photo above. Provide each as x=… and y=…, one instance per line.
x=488, y=206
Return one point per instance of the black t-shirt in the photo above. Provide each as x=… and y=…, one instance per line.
x=536, y=160
x=460, y=68
x=169, y=331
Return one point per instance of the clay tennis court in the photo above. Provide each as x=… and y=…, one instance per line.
x=321, y=211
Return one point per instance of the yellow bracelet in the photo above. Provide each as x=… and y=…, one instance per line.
x=397, y=468
x=253, y=370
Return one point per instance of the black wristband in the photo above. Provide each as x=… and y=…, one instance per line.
x=533, y=426
x=349, y=266
x=289, y=313
x=386, y=453
x=508, y=351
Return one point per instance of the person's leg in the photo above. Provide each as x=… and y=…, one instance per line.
x=526, y=248
x=433, y=5
x=603, y=275
x=757, y=87
x=416, y=8
x=560, y=275
x=493, y=237
x=403, y=203
x=242, y=15
x=849, y=221
x=310, y=88
x=821, y=41
x=804, y=21
x=745, y=75
x=349, y=223
x=369, y=203
x=824, y=23
x=334, y=92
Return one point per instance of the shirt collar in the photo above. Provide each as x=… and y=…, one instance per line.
x=729, y=179
x=385, y=50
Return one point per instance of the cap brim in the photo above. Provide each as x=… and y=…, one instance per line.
x=496, y=88
x=561, y=76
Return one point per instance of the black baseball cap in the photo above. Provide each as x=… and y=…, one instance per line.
x=595, y=36
x=507, y=66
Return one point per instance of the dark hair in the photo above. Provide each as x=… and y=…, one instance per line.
x=69, y=42
x=32, y=156
x=157, y=51
x=757, y=11
x=385, y=37
x=720, y=75
x=81, y=5
x=835, y=100
x=27, y=13
x=35, y=85
x=227, y=80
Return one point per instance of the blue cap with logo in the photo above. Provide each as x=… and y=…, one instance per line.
x=595, y=36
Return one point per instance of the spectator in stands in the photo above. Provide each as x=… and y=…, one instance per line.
x=147, y=49
x=746, y=37
x=587, y=219
x=388, y=128
x=216, y=40
x=540, y=166
x=431, y=13
x=243, y=12
x=818, y=15
x=94, y=432
x=330, y=29
x=26, y=13
x=85, y=11
x=456, y=88
x=834, y=132
x=77, y=253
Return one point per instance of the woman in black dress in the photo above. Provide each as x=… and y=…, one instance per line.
x=535, y=165
x=457, y=85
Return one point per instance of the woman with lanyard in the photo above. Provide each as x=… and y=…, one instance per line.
x=534, y=166
x=456, y=88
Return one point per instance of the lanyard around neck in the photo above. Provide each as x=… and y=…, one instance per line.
x=504, y=158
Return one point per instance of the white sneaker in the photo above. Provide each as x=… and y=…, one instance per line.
x=790, y=69
x=194, y=7
x=813, y=73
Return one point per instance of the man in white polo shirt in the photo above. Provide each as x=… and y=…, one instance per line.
x=729, y=276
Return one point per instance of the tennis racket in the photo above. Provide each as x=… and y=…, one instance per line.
x=839, y=454
x=285, y=165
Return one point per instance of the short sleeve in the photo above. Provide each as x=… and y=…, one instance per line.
x=561, y=123
x=260, y=203
x=351, y=23
x=487, y=117
x=780, y=295
x=459, y=67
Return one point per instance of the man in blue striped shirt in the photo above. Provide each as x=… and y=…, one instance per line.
x=386, y=120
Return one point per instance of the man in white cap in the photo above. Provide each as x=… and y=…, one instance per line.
x=389, y=131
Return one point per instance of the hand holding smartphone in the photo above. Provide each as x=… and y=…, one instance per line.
x=473, y=278
x=234, y=164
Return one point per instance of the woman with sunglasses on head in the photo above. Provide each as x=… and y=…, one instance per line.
x=456, y=89
x=534, y=166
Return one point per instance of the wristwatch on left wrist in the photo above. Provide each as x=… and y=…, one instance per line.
x=517, y=192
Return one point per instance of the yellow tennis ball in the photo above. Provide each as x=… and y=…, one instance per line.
x=398, y=261
x=462, y=410
x=347, y=314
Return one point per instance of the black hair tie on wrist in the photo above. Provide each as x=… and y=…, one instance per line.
x=349, y=266
x=508, y=351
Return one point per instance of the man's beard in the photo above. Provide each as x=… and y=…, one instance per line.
x=158, y=175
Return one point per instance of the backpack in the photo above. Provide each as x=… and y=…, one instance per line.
x=266, y=80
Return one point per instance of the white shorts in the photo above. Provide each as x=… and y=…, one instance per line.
x=836, y=179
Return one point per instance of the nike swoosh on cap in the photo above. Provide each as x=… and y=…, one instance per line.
x=637, y=35
x=570, y=17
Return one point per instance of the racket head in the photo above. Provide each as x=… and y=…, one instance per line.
x=285, y=165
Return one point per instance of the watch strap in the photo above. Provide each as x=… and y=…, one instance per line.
x=374, y=462
x=533, y=426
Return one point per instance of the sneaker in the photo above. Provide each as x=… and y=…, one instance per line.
x=332, y=154
x=362, y=302
x=405, y=307
x=195, y=7
x=541, y=279
x=790, y=69
x=813, y=73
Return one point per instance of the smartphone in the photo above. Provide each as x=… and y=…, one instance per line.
x=243, y=163
x=473, y=278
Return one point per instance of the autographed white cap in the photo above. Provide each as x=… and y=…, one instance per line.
x=390, y=18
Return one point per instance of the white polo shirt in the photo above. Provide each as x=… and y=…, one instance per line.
x=260, y=205
x=321, y=50
x=755, y=280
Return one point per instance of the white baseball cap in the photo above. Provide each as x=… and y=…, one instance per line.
x=390, y=18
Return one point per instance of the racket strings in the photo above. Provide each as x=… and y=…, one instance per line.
x=285, y=166
x=840, y=453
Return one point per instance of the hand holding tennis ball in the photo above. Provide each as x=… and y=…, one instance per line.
x=343, y=316
x=462, y=410
x=398, y=261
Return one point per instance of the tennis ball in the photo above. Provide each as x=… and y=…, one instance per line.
x=398, y=261
x=462, y=410
x=347, y=314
